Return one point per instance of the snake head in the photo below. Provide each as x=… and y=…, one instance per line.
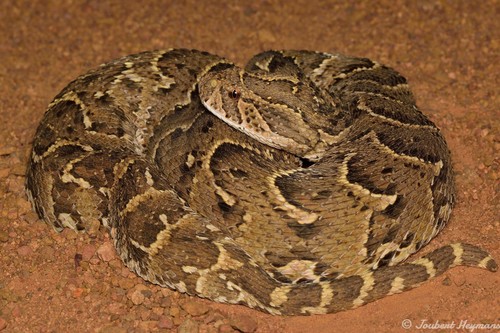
x=220, y=90
x=257, y=107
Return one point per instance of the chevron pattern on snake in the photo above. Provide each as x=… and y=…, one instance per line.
x=297, y=185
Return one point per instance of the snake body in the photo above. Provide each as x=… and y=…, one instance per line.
x=297, y=185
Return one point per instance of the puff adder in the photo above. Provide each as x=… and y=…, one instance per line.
x=297, y=185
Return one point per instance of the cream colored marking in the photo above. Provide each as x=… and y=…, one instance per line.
x=180, y=286
x=165, y=82
x=138, y=199
x=98, y=94
x=224, y=260
x=368, y=283
x=326, y=299
x=222, y=276
x=60, y=143
x=244, y=296
x=190, y=160
x=357, y=70
x=140, y=246
x=397, y=285
x=302, y=216
x=268, y=79
x=164, y=219
x=386, y=248
x=149, y=178
x=242, y=105
x=264, y=63
x=67, y=221
x=212, y=228
x=73, y=97
x=132, y=75
x=161, y=239
x=189, y=269
x=120, y=168
x=484, y=263
x=458, y=251
x=299, y=269
x=436, y=166
x=228, y=198
x=383, y=199
x=201, y=284
x=279, y=295
x=429, y=266
x=324, y=66
x=69, y=178
x=247, y=218
x=184, y=127
x=364, y=107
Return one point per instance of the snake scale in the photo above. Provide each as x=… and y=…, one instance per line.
x=297, y=185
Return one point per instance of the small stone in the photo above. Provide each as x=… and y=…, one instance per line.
x=147, y=325
x=88, y=252
x=226, y=328
x=3, y=324
x=188, y=326
x=116, y=308
x=165, y=322
x=4, y=172
x=165, y=302
x=214, y=316
x=23, y=206
x=46, y=253
x=446, y=281
x=24, y=250
x=106, y=252
x=78, y=292
x=138, y=294
x=4, y=237
x=244, y=323
x=113, y=329
x=126, y=283
x=195, y=308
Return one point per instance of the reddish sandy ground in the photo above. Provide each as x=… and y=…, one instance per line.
x=448, y=50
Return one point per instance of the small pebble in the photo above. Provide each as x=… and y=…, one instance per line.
x=4, y=237
x=3, y=324
x=138, y=294
x=88, y=252
x=24, y=250
x=244, y=323
x=188, y=326
x=446, y=281
x=106, y=252
x=226, y=328
x=165, y=322
x=195, y=308
x=113, y=329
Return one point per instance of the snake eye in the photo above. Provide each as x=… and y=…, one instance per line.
x=234, y=94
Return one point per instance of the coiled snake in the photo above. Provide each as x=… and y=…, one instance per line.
x=295, y=186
